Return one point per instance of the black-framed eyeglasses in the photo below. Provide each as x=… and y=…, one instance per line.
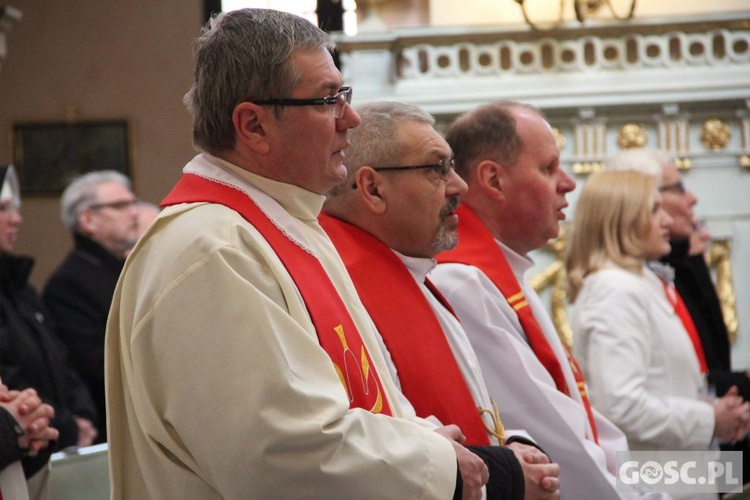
x=337, y=102
x=677, y=187
x=117, y=205
x=442, y=168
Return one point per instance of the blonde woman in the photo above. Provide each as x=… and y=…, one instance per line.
x=644, y=370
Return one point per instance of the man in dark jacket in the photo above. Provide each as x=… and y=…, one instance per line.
x=100, y=211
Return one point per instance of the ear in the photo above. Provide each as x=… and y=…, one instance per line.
x=251, y=126
x=492, y=179
x=371, y=187
x=86, y=222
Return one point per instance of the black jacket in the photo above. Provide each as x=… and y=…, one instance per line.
x=32, y=356
x=694, y=284
x=78, y=296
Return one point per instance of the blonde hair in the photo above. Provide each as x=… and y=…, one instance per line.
x=611, y=224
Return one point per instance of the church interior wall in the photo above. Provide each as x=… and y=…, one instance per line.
x=81, y=60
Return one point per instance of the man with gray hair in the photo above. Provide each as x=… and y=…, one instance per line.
x=99, y=210
x=240, y=361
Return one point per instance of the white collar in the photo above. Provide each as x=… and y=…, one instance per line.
x=419, y=267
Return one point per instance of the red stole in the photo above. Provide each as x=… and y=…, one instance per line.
x=680, y=308
x=430, y=377
x=478, y=248
x=336, y=330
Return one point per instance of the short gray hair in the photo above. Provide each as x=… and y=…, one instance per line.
x=376, y=141
x=81, y=193
x=244, y=55
x=644, y=160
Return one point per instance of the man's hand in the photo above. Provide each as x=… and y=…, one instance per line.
x=474, y=472
x=732, y=416
x=32, y=415
x=86, y=431
x=541, y=476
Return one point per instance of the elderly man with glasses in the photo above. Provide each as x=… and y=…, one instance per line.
x=100, y=211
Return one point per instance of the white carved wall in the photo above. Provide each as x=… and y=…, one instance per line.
x=682, y=86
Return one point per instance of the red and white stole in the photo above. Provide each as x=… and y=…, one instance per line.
x=430, y=377
x=478, y=248
x=337, y=333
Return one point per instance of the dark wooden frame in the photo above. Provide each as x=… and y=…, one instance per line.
x=48, y=155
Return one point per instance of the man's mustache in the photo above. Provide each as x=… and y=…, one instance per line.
x=450, y=206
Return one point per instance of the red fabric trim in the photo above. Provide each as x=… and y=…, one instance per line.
x=478, y=248
x=687, y=321
x=337, y=333
x=430, y=377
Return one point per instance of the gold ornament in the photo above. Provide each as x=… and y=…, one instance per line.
x=715, y=134
x=632, y=135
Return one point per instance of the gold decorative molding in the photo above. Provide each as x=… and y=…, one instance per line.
x=715, y=134
x=559, y=138
x=632, y=135
x=590, y=139
x=586, y=167
x=683, y=164
x=719, y=258
x=673, y=132
x=554, y=275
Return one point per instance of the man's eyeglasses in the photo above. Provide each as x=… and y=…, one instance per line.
x=677, y=187
x=442, y=168
x=337, y=102
x=117, y=205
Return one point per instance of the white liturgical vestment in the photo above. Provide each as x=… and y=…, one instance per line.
x=217, y=386
x=524, y=390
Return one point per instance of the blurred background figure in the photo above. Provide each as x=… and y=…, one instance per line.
x=100, y=211
x=32, y=356
x=644, y=366
x=147, y=212
x=689, y=240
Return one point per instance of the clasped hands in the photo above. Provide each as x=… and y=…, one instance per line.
x=32, y=416
x=732, y=417
x=541, y=476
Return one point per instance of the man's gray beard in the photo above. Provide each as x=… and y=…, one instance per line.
x=445, y=240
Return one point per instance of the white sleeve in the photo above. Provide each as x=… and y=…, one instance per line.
x=615, y=342
x=523, y=389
